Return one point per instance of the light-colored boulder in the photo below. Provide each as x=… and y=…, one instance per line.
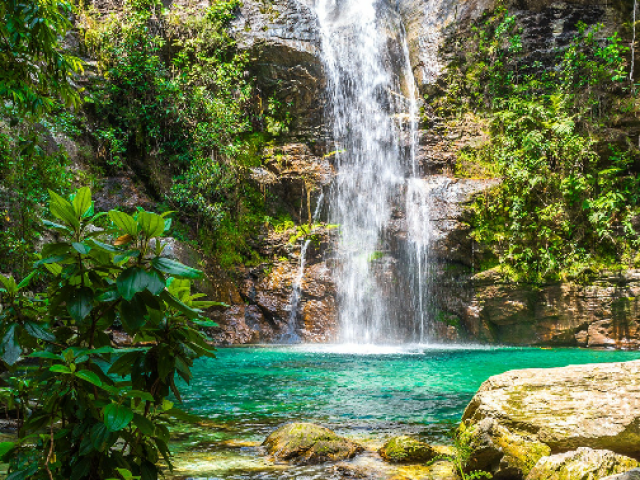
x=581, y=464
x=595, y=406
x=630, y=475
x=307, y=443
x=405, y=449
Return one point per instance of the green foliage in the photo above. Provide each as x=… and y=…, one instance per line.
x=569, y=190
x=179, y=107
x=28, y=167
x=34, y=70
x=462, y=455
x=90, y=409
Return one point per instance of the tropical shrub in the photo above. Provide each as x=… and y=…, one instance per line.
x=88, y=409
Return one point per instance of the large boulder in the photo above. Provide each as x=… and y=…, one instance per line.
x=405, y=449
x=630, y=475
x=504, y=453
x=565, y=408
x=581, y=464
x=307, y=443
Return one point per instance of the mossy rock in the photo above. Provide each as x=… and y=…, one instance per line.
x=630, y=475
x=581, y=464
x=307, y=443
x=407, y=450
x=501, y=451
x=440, y=470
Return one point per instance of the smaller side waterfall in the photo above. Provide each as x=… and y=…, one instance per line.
x=291, y=335
x=419, y=234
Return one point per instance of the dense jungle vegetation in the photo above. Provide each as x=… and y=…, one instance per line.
x=171, y=98
x=86, y=408
x=558, y=130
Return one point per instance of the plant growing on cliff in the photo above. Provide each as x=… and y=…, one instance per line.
x=35, y=79
x=34, y=70
x=569, y=194
x=86, y=408
x=179, y=106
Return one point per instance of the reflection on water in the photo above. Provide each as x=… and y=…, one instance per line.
x=366, y=392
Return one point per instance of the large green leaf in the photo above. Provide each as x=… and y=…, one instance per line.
x=152, y=224
x=135, y=280
x=105, y=246
x=57, y=227
x=9, y=346
x=174, y=268
x=66, y=214
x=156, y=284
x=47, y=355
x=132, y=281
x=132, y=314
x=90, y=377
x=81, y=248
x=122, y=366
x=117, y=417
x=205, y=323
x=25, y=281
x=100, y=436
x=24, y=473
x=144, y=424
x=82, y=201
x=6, y=447
x=49, y=260
x=124, y=222
x=80, y=303
x=37, y=331
x=138, y=394
x=59, y=368
x=166, y=365
x=109, y=296
x=177, y=304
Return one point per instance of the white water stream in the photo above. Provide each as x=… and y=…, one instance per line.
x=373, y=112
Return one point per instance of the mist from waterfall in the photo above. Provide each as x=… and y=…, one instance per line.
x=374, y=134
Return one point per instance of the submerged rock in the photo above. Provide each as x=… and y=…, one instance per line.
x=565, y=408
x=440, y=470
x=581, y=464
x=407, y=450
x=306, y=443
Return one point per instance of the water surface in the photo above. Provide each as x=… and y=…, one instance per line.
x=366, y=392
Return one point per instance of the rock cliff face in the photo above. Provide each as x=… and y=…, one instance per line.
x=264, y=308
x=283, y=40
x=604, y=313
x=601, y=313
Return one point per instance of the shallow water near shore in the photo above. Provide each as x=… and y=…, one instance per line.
x=367, y=392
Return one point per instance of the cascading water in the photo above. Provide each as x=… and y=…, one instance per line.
x=367, y=65
x=291, y=336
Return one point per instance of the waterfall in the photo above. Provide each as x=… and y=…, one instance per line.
x=366, y=62
x=291, y=335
